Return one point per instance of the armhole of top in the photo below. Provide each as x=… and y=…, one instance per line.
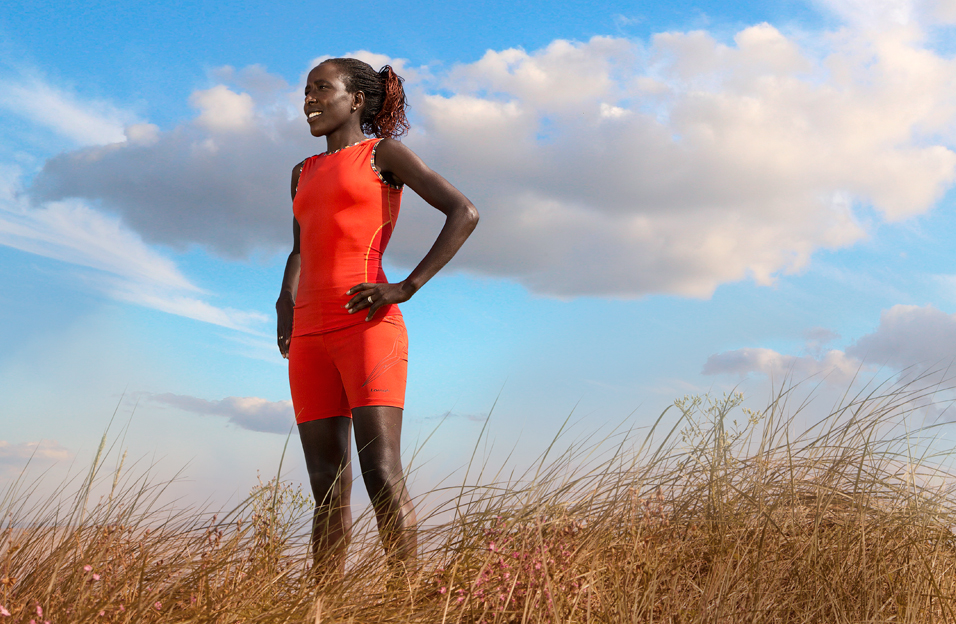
x=378, y=173
x=301, y=169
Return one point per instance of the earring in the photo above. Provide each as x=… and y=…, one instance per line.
x=353, y=109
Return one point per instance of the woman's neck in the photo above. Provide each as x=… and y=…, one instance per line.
x=343, y=138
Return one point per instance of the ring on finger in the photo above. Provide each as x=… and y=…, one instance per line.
x=370, y=299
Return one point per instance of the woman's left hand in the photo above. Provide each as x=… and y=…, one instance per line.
x=374, y=296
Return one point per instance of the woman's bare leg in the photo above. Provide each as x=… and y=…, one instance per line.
x=327, y=447
x=378, y=433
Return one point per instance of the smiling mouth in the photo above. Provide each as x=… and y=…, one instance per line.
x=312, y=116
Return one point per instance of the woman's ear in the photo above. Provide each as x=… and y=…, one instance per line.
x=358, y=100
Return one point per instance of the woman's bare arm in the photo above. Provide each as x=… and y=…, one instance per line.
x=401, y=165
x=290, y=281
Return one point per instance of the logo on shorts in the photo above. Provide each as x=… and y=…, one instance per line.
x=390, y=360
x=379, y=390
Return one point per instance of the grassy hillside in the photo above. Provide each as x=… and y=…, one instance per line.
x=725, y=515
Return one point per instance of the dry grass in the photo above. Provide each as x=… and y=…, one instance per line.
x=704, y=522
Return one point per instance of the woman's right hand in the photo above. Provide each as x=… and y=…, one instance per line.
x=285, y=314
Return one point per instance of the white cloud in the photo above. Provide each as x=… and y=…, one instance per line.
x=609, y=167
x=222, y=110
x=834, y=365
x=876, y=14
x=909, y=338
x=82, y=121
x=923, y=337
x=377, y=61
x=251, y=413
x=142, y=134
x=120, y=264
x=42, y=452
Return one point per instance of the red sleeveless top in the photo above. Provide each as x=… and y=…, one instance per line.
x=346, y=212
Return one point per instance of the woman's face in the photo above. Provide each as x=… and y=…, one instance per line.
x=327, y=104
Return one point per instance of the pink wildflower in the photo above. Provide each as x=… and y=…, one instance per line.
x=158, y=605
x=491, y=546
x=442, y=590
x=87, y=568
x=4, y=612
x=96, y=576
x=122, y=608
x=39, y=610
x=102, y=613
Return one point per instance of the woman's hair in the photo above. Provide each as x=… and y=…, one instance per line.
x=385, y=103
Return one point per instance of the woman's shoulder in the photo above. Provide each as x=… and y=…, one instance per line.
x=390, y=152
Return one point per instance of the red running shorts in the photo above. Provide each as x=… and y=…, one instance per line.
x=358, y=366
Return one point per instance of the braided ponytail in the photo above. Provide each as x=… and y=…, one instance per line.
x=385, y=102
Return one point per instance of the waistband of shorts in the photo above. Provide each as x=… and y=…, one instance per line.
x=391, y=319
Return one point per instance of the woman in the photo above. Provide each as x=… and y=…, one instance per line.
x=338, y=322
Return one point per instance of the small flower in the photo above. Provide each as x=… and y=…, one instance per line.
x=122, y=608
x=39, y=610
x=158, y=605
x=96, y=576
x=491, y=546
x=102, y=613
x=442, y=590
x=4, y=612
x=87, y=568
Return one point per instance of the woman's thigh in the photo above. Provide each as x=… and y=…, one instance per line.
x=327, y=446
x=378, y=437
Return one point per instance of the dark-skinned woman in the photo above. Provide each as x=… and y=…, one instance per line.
x=338, y=322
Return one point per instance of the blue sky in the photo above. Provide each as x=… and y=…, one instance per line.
x=676, y=198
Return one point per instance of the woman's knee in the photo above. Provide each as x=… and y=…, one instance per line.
x=383, y=482
x=329, y=485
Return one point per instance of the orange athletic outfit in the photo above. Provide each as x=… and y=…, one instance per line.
x=338, y=361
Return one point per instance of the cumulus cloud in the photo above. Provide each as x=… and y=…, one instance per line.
x=911, y=338
x=924, y=337
x=222, y=110
x=221, y=180
x=42, y=452
x=251, y=413
x=880, y=13
x=610, y=167
x=834, y=365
